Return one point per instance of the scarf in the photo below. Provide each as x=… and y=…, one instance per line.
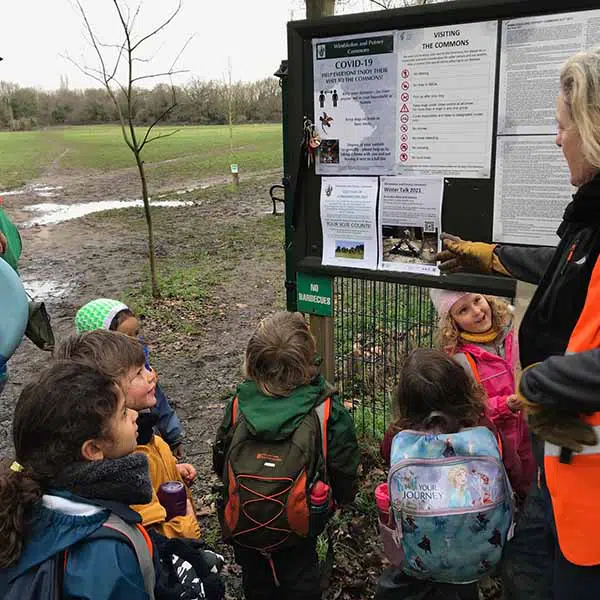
x=125, y=479
x=487, y=337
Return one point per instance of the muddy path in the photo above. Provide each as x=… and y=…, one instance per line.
x=196, y=343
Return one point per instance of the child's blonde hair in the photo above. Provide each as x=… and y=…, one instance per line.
x=448, y=334
x=281, y=354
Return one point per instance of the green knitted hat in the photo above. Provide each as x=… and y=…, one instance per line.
x=98, y=314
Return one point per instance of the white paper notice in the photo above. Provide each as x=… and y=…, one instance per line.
x=410, y=214
x=533, y=50
x=446, y=99
x=531, y=191
x=349, y=221
x=355, y=96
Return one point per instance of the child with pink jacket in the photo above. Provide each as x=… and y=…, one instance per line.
x=477, y=331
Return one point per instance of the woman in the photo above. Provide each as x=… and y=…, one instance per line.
x=560, y=336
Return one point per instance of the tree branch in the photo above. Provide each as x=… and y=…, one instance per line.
x=159, y=28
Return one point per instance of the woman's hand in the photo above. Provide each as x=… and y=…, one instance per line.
x=462, y=255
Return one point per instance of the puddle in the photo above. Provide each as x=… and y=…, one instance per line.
x=50, y=214
x=43, y=290
x=39, y=189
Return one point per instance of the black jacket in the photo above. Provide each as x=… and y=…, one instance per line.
x=563, y=276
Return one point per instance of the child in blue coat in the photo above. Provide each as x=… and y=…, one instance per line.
x=68, y=489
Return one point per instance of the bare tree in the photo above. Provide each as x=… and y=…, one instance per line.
x=397, y=3
x=319, y=8
x=119, y=79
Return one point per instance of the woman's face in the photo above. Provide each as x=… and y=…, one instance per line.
x=569, y=140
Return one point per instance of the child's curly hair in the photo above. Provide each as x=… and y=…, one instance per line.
x=448, y=334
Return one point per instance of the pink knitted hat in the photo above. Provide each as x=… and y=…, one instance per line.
x=444, y=300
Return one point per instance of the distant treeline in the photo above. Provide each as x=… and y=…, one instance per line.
x=199, y=102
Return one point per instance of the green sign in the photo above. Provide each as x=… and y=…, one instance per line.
x=315, y=294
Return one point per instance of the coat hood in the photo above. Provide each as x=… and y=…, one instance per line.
x=276, y=418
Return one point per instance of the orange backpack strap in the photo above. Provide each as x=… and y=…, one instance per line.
x=323, y=412
x=473, y=366
x=499, y=440
x=234, y=410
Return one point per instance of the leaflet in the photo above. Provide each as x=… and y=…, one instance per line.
x=349, y=221
x=410, y=216
x=529, y=202
x=354, y=98
x=446, y=92
x=532, y=52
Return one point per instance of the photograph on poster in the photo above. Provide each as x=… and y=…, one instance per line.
x=348, y=249
x=409, y=245
x=329, y=152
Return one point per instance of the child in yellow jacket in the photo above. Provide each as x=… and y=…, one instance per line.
x=122, y=359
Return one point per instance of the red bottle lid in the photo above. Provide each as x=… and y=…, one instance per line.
x=319, y=492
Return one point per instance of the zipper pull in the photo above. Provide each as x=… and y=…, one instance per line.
x=569, y=257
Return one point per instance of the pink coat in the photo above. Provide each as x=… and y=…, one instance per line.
x=497, y=377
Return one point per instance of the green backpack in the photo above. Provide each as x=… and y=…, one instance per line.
x=267, y=483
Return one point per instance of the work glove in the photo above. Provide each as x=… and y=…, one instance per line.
x=560, y=427
x=461, y=255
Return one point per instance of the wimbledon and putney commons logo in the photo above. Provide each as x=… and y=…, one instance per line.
x=321, y=51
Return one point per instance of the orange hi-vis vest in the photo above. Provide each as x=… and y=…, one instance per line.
x=574, y=478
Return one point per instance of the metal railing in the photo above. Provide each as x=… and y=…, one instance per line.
x=376, y=325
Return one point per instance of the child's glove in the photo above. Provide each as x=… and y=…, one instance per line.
x=462, y=255
x=565, y=429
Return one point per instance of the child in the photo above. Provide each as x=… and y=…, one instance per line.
x=121, y=358
x=74, y=469
x=276, y=403
x=435, y=396
x=477, y=331
x=113, y=315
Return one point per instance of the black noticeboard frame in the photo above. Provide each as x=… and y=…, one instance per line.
x=468, y=203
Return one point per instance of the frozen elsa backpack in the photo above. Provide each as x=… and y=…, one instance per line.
x=451, y=504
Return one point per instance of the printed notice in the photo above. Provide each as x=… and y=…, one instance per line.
x=410, y=213
x=446, y=86
x=354, y=96
x=531, y=192
x=532, y=52
x=348, y=219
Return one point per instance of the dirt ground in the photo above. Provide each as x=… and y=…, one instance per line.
x=221, y=260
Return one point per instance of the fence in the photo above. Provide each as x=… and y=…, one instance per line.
x=376, y=325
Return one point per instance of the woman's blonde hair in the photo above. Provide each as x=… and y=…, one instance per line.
x=448, y=334
x=281, y=354
x=580, y=88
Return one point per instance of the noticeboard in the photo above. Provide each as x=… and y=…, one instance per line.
x=429, y=119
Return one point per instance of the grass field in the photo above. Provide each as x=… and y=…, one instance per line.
x=193, y=152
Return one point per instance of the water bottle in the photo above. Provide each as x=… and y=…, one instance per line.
x=320, y=504
x=173, y=497
x=382, y=500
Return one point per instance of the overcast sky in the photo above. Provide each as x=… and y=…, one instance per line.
x=251, y=33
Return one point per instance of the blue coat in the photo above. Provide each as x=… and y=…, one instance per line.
x=100, y=569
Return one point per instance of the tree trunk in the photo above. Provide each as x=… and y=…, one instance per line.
x=319, y=8
x=148, y=214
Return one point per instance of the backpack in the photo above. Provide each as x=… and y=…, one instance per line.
x=267, y=483
x=45, y=581
x=188, y=570
x=451, y=503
